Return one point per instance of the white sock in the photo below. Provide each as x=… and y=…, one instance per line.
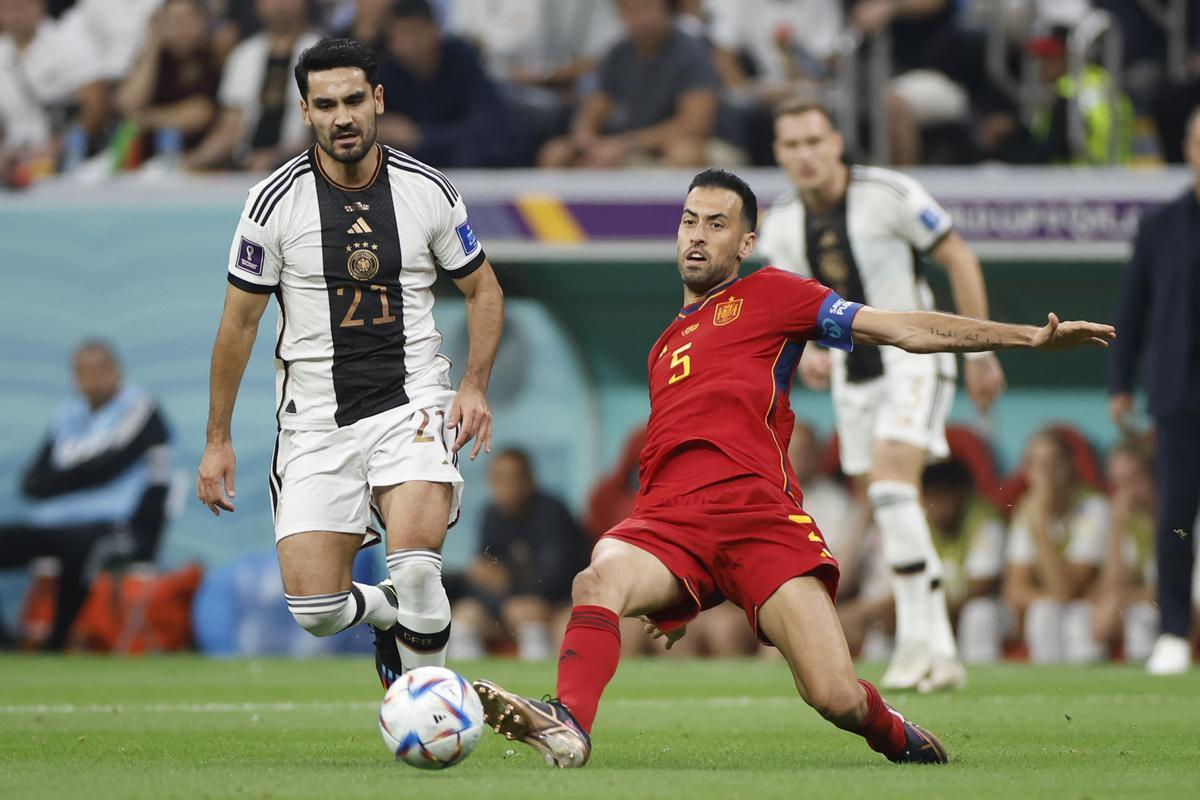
x=1078, y=645
x=1044, y=631
x=941, y=632
x=326, y=614
x=465, y=643
x=981, y=630
x=533, y=642
x=906, y=547
x=424, y=609
x=379, y=609
x=1141, y=629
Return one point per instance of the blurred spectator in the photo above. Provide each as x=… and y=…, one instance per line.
x=1159, y=317
x=1102, y=121
x=1057, y=542
x=544, y=43
x=441, y=107
x=98, y=484
x=1122, y=606
x=50, y=77
x=172, y=89
x=969, y=537
x=260, y=123
x=531, y=547
x=656, y=102
x=116, y=27
x=768, y=50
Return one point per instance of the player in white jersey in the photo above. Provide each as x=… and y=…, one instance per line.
x=861, y=231
x=348, y=236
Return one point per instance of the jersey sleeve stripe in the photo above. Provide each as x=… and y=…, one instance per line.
x=305, y=170
x=281, y=177
x=396, y=158
x=400, y=166
x=247, y=286
x=941, y=238
x=466, y=269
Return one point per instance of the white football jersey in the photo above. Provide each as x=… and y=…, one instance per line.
x=867, y=250
x=353, y=271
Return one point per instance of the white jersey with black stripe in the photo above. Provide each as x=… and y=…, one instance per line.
x=353, y=271
x=887, y=219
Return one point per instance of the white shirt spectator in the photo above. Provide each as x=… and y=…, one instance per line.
x=116, y=28
x=55, y=65
x=775, y=33
x=1082, y=536
x=241, y=87
x=536, y=36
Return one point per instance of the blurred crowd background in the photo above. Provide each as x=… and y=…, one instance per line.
x=90, y=89
x=206, y=84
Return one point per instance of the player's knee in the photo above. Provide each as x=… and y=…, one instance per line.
x=417, y=578
x=324, y=615
x=590, y=589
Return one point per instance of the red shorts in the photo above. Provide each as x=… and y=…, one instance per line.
x=741, y=539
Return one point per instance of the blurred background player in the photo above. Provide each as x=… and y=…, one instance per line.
x=859, y=230
x=1160, y=308
x=1057, y=543
x=98, y=485
x=529, y=548
x=369, y=423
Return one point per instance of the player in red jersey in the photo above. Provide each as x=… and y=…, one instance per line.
x=718, y=512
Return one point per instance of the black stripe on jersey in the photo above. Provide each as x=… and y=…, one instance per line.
x=417, y=168
x=283, y=192
x=466, y=269
x=247, y=286
x=831, y=255
x=279, y=357
x=276, y=180
x=442, y=180
x=366, y=307
x=274, y=482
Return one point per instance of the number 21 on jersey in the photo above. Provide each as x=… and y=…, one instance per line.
x=681, y=364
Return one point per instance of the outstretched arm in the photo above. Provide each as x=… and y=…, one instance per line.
x=934, y=332
x=485, y=321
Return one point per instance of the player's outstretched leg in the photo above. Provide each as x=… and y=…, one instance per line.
x=799, y=618
x=622, y=579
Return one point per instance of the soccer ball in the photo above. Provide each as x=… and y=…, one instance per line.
x=431, y=718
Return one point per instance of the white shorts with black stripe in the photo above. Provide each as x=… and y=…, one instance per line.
x=909, y=404
x=323, y=480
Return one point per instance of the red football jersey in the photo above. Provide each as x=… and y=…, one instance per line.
x=720, y=375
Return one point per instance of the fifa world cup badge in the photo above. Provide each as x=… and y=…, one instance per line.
x=727, y=312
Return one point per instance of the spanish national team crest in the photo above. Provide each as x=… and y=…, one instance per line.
x=727, y=312
x=362, y=264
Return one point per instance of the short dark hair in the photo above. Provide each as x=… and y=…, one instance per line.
x=333, y=53
x=518, y=455
x=408, y=9
x=99, y=345
x=802, y=105
x=724, y=179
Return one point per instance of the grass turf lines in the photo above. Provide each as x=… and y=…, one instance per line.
x=188, y=727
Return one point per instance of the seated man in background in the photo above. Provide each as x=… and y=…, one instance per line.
x=1056, y=544
x=969, y=535
x=260, y=123
x=172, y=89
x=1123, y=604
x=530, y=549
x=98, y=484
x=440, y=105
x=656, y=103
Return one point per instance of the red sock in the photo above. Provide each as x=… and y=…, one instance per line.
x=882, y=729
x=587, y=661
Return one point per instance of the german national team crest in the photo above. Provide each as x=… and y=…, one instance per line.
x=727, y=312
x=362, y=264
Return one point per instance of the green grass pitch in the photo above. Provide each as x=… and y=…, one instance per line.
x=188, y=727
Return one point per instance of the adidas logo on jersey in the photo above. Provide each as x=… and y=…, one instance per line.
x=360, y=226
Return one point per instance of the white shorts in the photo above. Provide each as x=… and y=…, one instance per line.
x=323, y=480
x=909, y=404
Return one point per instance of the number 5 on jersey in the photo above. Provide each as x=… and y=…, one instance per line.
x=683, y=362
